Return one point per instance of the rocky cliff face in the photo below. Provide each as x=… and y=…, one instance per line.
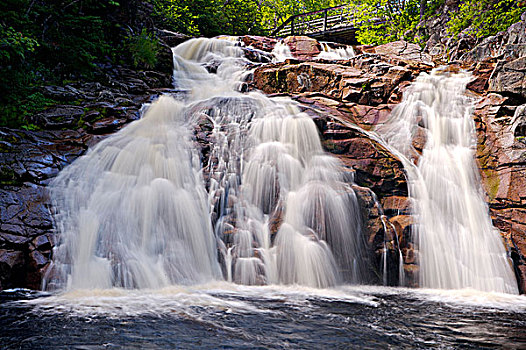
x=346, y=98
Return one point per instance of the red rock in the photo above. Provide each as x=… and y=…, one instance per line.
x=398, y=204
x=402, y=50
x=259, y=42
x=303, y=47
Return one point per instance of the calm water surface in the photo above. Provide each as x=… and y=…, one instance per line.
x=228, y=316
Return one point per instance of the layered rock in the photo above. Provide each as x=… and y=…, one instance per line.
x=499, y=68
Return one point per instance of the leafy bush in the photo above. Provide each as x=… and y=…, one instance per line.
x=14, y=114
x=14, y=45
x=46, y=42
x=143, y=49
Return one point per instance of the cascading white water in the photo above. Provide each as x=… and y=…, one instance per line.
x=137, y=212
x=130, y=212
x=281, y=52
x=458, y=246
x=339, y=53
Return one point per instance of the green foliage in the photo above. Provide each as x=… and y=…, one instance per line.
x=46, y=42
x=275, y=12
x=14, y=113
x=176, y=15
x=482, y=18
x=143, y=49
x=14, y=45
x=383, y=21
x=231, y=17
x=209, y=17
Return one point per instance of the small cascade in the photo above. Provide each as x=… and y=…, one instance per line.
x=342, y=52
x=219, y=184
x=130, y=212
x=401, y=272
x=281, y=52
x=457, y=245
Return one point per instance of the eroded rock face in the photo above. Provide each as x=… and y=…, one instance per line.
x=303, y=47
x=506, y=45
x=501, y=155
x=29, y=160
x=402, y=50
x=365, y=80
x=259, y=42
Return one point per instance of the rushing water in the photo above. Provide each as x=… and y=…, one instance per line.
x=281, y=52
x=232, y=316
x=342, y=52
x=136, y=211
x=458, y=247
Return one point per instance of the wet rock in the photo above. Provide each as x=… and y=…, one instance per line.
x=365, y=80
x=59, y=117
x=481, y=75
x=106, y=125
x=256, y=55
x=11, y=265
x=395, y=205
x=164, y=65
x=380, y=237
x=66, y=93
x=262, y=43
x=402, y=50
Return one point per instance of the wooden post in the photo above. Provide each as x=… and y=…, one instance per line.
x=325, y=21
x=292, y=26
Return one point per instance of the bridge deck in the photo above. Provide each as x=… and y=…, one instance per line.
x=331, y=24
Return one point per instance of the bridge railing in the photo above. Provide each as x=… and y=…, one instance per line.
x=314, y=22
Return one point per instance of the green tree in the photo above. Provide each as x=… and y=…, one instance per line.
x=209, y=17
x=482, y=18
x=275, y=12
x=383, y=21
x=46, y=41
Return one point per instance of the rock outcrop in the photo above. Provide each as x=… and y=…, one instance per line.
x=499, y=68
x=501, y=155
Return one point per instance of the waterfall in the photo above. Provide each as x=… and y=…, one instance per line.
x=281, y=52
x=130, y=212
x=342, y=52
x=457, y=245
x=210, y=184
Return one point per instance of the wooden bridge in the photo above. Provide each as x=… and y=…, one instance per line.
x=330, y=24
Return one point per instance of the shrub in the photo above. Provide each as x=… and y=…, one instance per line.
x=143, y=49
